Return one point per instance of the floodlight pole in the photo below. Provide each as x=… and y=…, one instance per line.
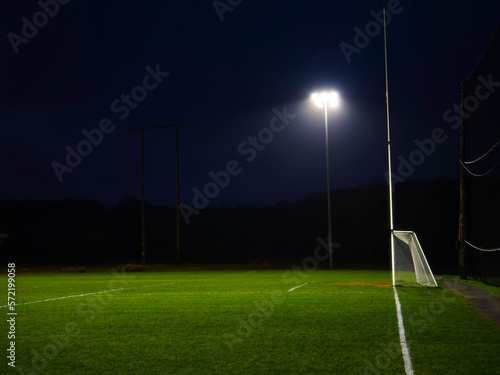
x=391, y=217
x=330, y=249
x=322, y=100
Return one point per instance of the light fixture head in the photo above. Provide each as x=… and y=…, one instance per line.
x=326, y=98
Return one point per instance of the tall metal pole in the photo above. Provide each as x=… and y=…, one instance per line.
x=462, y=266
x=178, y=202
x=143, y=203
x=330, y=248
x=391, y=217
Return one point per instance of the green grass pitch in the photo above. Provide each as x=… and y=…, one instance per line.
x=241, y=322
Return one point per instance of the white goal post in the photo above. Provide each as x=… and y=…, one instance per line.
x=410, y=266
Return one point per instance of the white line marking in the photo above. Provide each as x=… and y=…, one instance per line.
x=115, y=290
x=402, y=336
x=297, y=287
x=85, y=294
x=73, y=296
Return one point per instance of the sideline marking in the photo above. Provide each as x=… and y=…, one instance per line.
x=297, y=287
x=87, y=294
x=402, y=336
x=116, y=290
x=73, y=296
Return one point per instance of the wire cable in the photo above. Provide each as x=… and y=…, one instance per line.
x=476, y=174
x=482, y=248
x=484, y=155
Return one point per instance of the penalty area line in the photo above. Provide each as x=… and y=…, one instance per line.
x=297, y=287
x=402, y=336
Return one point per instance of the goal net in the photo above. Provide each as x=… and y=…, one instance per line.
x=410, y=265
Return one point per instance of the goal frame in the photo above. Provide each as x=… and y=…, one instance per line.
x=424, y=258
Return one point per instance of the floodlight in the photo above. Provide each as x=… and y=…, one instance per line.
x=331, y=98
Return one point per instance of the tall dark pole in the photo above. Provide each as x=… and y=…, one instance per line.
x=178, y=202
x=462, y=266
x=143, y=203
x=177, y=187
x=330, y=248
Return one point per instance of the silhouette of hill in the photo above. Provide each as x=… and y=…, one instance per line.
x=85, y=232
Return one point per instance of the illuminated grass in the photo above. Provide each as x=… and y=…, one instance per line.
x=243, y=322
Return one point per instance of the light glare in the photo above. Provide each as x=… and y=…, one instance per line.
x=317, y=100
x=322, y=99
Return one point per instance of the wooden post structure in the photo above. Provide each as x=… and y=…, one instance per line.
x=143, y=202
x=462, y=266
x=178, y=201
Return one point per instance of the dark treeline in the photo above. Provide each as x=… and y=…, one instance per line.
x=85, y=232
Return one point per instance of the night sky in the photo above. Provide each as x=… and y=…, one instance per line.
x=242, y=74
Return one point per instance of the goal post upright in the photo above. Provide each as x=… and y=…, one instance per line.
x=391, y=217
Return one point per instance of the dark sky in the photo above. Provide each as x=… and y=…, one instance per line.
x=228, y=75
